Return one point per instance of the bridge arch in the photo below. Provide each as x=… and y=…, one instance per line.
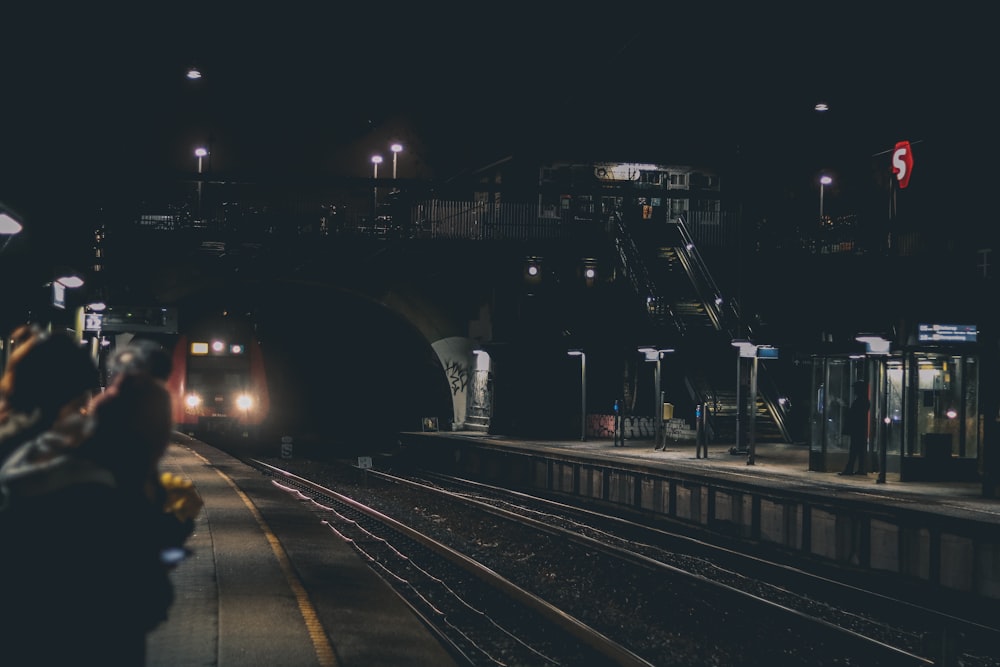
x=393, y=354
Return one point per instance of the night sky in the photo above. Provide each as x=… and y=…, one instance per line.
x=93, y=97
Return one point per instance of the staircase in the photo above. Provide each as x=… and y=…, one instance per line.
x=689, y=312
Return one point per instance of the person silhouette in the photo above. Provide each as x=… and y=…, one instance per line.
x=857, y=430
x=45, y=388
x=90, y=527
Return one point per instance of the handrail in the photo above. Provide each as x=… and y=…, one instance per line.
x=692, y=260
x=697, y=269
x=638, y=273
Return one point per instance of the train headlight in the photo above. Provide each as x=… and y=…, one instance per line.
x=192, y=400
x=244, y=401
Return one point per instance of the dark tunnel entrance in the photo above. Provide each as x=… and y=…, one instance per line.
x=345, y=373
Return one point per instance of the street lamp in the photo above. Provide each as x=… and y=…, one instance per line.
x=879, y=346
x=745, y=349
x=10, y=225
x=66, y=279
x=655, y=354
x=583, y=391
x=200, y=153
x=395, y=148
x=824, y=181
x=376, y=161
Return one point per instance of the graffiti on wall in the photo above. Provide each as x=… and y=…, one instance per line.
x=458, y=376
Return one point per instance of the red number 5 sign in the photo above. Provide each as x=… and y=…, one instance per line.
x=902, y=163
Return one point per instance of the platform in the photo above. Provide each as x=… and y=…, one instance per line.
x=774, y=463
x=269, y=585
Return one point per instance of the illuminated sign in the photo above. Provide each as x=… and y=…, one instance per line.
x=946, y=333
x=154, y=319
x=902, y=163
x=621, y=171
x=59, y=295
x=92, y=321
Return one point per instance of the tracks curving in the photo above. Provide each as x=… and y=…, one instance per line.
x=663, y=598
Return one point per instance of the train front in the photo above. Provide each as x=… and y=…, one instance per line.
x=219, y=387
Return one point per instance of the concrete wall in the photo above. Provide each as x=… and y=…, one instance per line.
x=458, y=362
x=957, y=555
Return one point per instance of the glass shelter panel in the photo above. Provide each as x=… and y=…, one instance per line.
x=817, y=421
x=894, y=391
x=946, y=406
x=832, y=382
x=838, y=382
x=969, y=446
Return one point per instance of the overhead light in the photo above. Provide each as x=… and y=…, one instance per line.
x=9, y=224
x=71, y=281
x=194, y=74
x=653, y=353
x=874, y=343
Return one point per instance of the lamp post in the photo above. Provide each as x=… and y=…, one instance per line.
x=745, y=348
x=583, y=391
x=376, y=161
x=655, y=354
x=67, y=279
x=200, y=153
x=824, y=181
x=396, y=149
x=879, y=347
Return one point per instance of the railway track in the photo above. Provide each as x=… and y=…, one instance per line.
x=483, y=618
x=688, y=599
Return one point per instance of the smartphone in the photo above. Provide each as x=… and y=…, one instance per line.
x=173, y=555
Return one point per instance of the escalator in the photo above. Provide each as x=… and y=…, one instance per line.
x=690, y=313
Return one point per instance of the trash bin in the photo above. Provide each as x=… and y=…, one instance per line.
x=668, y=411
x=937, y=447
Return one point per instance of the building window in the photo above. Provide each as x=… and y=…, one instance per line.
x=651, y=178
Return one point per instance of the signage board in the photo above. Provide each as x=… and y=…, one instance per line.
x=59, y=295
x=947, y=333
x=92, y=321
x=902, y=163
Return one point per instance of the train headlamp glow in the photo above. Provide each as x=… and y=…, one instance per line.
x=199, y=348
x=218, y=346
x=244, y=401
x=192, y=400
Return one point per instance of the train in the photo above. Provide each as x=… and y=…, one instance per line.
x=219, y=384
